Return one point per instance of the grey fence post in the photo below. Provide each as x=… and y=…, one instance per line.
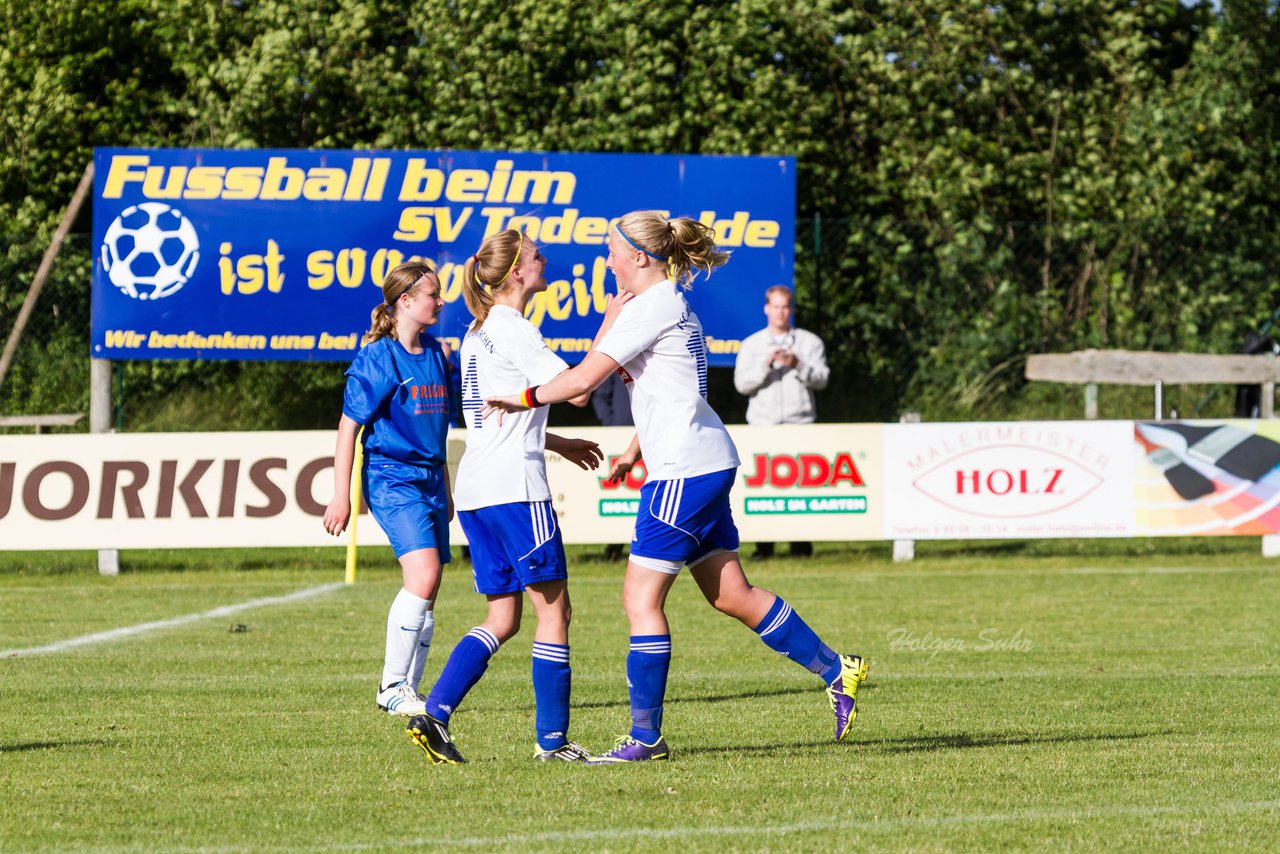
x=100, y=422
x=904, y=550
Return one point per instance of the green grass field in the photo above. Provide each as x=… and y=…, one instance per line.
x=1022, y=696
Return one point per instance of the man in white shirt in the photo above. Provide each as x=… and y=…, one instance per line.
x=778, y=369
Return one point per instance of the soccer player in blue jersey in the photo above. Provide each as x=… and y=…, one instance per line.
x=504, y=501
x=398, y=390
x=656, y=345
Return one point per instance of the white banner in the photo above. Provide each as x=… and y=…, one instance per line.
x=1010, y=480
x=168, y=490
x=797, y=482
x=194, y=490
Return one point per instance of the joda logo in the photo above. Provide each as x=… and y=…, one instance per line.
x=804, y=470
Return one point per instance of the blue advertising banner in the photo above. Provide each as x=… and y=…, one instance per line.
x=280, y=254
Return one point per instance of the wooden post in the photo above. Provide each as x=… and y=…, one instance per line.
x=42, y=272
x=1268, y=406
x=100, y=422
x=1091, y=401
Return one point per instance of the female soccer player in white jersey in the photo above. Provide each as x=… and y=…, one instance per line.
x=656, y=344
x=504, y=502
x=398, y=389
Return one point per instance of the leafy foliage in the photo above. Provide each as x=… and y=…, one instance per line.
x=977, y=182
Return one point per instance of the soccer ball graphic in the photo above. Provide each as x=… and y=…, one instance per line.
x=150, y=251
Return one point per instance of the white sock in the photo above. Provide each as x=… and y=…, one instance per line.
x=420, y=652
x=404, y=622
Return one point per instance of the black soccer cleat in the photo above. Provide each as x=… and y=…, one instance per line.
x=433, y=737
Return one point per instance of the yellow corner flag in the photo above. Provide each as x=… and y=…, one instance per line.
x=355, y=510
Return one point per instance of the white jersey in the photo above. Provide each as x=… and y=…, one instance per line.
x=658, y=341
x=503, y=463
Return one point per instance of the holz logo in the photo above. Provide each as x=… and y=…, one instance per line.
x=807, y=471
x=1008, y=481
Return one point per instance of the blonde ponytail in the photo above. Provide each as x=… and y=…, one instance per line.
x=487, y=272
x=685, y=245
x=381, y=324
x=478, y=300
x=695, y=249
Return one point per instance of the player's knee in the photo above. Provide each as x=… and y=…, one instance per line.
x=733, y=602
x=639, y=607
x=504, y=629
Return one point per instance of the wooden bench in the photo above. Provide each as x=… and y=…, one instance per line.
x=1128, y=367
x=40, y=422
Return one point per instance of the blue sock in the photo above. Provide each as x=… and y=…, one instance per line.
x=647, y=666
x=551, y=677
x=784, y=632
x=466, y=664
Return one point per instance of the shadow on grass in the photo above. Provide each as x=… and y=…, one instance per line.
x=962, y=741
x=46, y=745
x=624, y=702
x=918, y=744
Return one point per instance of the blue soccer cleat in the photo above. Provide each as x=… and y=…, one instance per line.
x=843, y=693
x=629, y=749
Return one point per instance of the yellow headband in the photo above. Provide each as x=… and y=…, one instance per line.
x=514, y=262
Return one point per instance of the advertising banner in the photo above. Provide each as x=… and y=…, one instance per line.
x=797, y=482
x=196, y=490
x=1013, y=480
x=280, y=254
x=1206, y=477
x=169, y=490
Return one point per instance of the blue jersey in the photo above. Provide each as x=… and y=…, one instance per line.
x=401, y=399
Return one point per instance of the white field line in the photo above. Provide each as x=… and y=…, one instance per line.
x=741, y=831
x=858, y=825
x=186, y=619
x=1076, y=570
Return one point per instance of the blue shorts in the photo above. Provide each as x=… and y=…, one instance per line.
x=683, y=521
x=513, y=546
x=411, y=504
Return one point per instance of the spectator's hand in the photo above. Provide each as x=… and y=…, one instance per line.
x=583, y=453
x=788, y=359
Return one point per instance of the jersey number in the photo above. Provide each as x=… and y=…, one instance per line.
x=698, y=349
x=472, y=403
